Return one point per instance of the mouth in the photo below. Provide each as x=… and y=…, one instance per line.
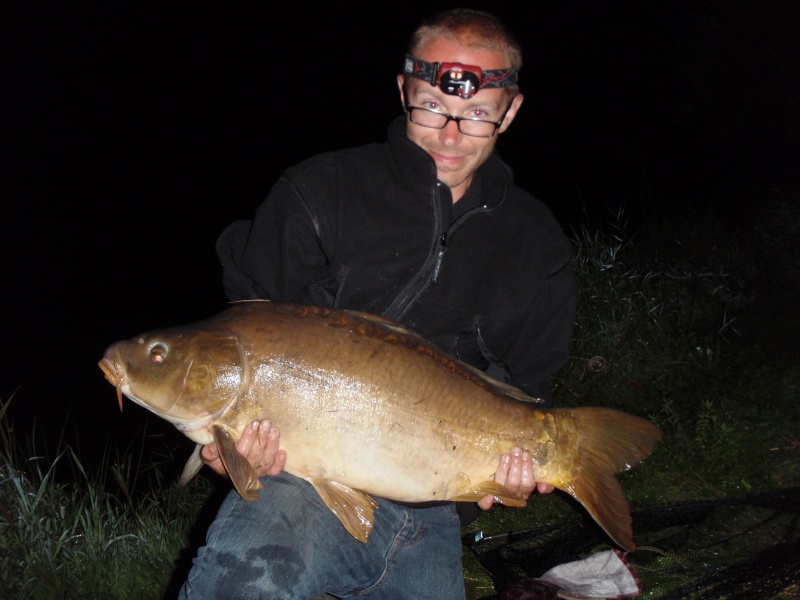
x=448, y=162
x=113, y=376
x=446, y=158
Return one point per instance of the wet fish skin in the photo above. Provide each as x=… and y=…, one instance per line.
x=367, y=408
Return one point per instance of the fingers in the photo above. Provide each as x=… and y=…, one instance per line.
x=544, y=488
x=501, y=475
x=273, y=459
x=259, y=444
x=519, y=477
x=486, y=502
x=249, y=444
x=209, y=454
x=526, y=481
x=515, y=472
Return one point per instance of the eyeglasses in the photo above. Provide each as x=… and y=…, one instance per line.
x=466, y=125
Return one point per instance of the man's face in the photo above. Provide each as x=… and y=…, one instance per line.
x=457, y=156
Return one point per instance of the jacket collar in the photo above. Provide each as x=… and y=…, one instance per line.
x=416, y=170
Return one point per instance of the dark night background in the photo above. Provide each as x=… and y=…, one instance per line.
x=132, y=133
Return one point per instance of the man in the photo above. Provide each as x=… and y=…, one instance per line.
x=427, y=229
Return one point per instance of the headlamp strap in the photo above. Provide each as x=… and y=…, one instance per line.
x=442, y=75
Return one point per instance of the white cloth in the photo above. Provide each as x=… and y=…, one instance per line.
x=602, y=576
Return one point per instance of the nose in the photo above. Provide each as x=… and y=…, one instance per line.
x=450, y=134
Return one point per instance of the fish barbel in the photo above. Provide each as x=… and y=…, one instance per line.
x=366, y=407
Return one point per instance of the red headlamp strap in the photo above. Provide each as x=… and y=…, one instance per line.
x=457, y=79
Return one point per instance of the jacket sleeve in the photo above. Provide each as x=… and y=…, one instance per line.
x=542, y=346
x=274, y=255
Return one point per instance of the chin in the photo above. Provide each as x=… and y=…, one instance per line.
x=450, y=181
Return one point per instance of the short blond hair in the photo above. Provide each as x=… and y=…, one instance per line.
x=475, y=28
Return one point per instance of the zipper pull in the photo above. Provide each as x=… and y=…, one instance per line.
x=442, y=248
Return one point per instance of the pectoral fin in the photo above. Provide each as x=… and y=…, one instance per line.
x=459, y=489
x=193, y=465
x=240, y=471
x=353, y=508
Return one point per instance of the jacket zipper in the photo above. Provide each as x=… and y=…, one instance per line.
x=429, y=272
x=445, y=237
x=440, y=256
x=408, y=295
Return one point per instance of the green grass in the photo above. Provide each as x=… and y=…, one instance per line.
x=678, y=322
x=115, y=533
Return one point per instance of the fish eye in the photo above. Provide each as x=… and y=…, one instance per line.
x=158, y=353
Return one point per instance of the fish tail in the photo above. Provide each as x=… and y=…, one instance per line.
x=608, y=442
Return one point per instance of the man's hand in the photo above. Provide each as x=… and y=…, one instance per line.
x=516, y=473
x=258, y=444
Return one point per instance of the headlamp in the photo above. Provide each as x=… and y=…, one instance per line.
x=456, y=79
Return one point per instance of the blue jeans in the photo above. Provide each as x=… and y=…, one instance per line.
x=289, y=545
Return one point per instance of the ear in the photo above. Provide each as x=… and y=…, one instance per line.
x=512, y=112
x=401, y=80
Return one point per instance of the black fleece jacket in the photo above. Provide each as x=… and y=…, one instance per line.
x=370, y=228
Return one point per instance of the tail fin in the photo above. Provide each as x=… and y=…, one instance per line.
x=609, y=441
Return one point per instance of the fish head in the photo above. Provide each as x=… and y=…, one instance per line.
x=188, y=376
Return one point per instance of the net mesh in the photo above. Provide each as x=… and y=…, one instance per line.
x=746, y=547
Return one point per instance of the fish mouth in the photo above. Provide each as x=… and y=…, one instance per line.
x=111, y=371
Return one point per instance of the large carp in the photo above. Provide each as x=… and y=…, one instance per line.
x=366, y=407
